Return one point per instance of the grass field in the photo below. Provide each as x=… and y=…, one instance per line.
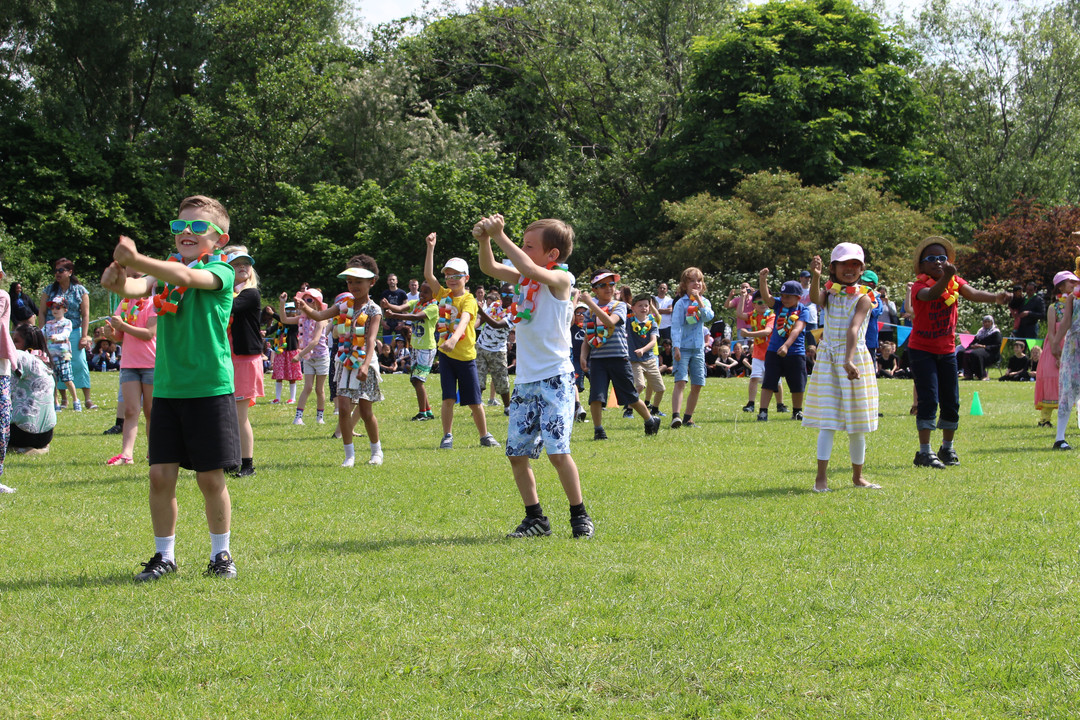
x=717, y=585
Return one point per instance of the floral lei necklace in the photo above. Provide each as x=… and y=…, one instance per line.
x=525, y=295
x=168, y=300
x=835, y=288
x=642, y=328
x=786, y=319
x=596, y=332
x=952, y=290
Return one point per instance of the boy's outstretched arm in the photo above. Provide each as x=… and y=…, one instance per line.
x=975, y=295
x=174, y=273
x=429, y=265
x=325, y=314
x=488, y=264
x=116, y=280
x=557, y=280
x=763, y=286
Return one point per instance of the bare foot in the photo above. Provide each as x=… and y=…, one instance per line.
x=821, y=484
x=861, y=482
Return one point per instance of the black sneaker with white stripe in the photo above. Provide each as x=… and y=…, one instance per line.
x=532, y=527
x=582, y=526
x=221, y=566
x=156, y=568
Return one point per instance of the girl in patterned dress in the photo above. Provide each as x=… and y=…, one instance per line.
x=1046, y=382
x=842, y=393
x=1067, y=354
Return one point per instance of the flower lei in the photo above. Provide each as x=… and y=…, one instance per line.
x=418, y=325
x=449, y=319
x=525, y=295
x=129, y=309
x=642, y=328
x=952, y=290
x=835, y=288
x=596, y=332
x=693, y=310
x=785, y=321
x=168, y=300
x=758, y=321
x=276, y=336
x=351, y=330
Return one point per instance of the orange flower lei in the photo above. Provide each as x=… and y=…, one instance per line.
x=952, y=290
x=168, y=300
x=835, y=288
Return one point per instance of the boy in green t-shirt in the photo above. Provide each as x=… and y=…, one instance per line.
x=424, y=315
x=193, y=420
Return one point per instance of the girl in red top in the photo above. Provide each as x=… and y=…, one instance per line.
x=932, y=347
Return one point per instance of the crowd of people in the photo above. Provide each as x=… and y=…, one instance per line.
x=197, y=339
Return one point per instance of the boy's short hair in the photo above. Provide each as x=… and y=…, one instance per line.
x=203, y=202
x=554, y=234
x=363, y=261
x=638, y=298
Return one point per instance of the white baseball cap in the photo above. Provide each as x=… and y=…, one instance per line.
x=456, y=264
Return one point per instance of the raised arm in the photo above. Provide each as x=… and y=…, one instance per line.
x=284, y=316
x=488, y=264
x=429, y=265
x=763, y=285
x=815, y=280
x=556, y=280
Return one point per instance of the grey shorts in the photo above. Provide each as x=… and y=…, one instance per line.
x=139, y=375
x=315, y=366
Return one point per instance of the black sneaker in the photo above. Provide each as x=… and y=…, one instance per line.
x=763, y=416
x=599, y=434
x=245, y=472
x=627, y=412
x=781, y=407
x=533, y=527
x=1062, y=445
x=1044, y=423
x=419, y=416
x=222, y=566
x=748, y=407
x=652, y=426
x=948, y=457
x=582, y=526
x=676, y=422
x=114, y=430
x=653, y=409
x=928, y=459
x=157, y=567
x=797, y=415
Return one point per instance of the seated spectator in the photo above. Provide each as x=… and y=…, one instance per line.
x=387, y=364
x=1036, y=353
x=725, y=365
x=106, y=356
x=811, y=358
x=888, y=364
x=1019, y=369
x=744, y=357
x=665, y=362
x=983, y=351
x=402, y=355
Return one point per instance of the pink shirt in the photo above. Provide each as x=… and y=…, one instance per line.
x=138, y=353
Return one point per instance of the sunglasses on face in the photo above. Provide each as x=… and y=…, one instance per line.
x=59, y=270
x=759, y=302
x=455, y=276
x=936, y=258
x=197, y=227
x=604, y=284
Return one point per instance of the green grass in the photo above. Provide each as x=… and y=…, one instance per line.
x=717, y=584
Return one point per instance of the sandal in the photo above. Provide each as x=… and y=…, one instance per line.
x=91, y=406
x=119, y=460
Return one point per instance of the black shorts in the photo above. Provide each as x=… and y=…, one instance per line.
x=22, y=439
x=790, y=367
x=617, y=370
x=200, y=434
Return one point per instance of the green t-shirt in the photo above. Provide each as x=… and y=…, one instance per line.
x=193, y=358
x=423, y=333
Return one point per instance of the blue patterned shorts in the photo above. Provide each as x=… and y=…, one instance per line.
x=541, y=415
x=61, y=370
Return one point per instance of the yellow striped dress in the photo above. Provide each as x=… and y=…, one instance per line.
x=832, y=401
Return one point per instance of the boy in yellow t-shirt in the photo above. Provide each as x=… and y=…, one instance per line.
x=457, y=345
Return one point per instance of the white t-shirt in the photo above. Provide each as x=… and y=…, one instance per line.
x=543, y=341
x=664, y=303
x=812, y=309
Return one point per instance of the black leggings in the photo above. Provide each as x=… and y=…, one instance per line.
x=22, y=439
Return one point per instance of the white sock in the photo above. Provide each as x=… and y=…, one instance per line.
x=857, y=448
x=376, y=447
x=218, y=543
x=277, y=391
x=1062, y=422
x=292, y=391
x=350, y=451
x=299, y=413
x=824, y=444
x=318, y=414
x=166, y=546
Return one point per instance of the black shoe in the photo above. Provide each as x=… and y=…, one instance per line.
x=114, y=430
x=653, y=410
x=652, y=426
x=748, y=407
x=627, y=412
x=676, y=422
x=690, y=424
x=1062, y=445
x=221, y=566
x=233, y=470
x=797, y=415
x=581, y=415
x=930, y=460
x=246, y=472
x=948, y=457
x=533, y=527
x=582, y=526
x=781, y=407
x=763, y=416
x=157, y=567
x=599, y=434
x=419, y=416
x=1044, y=423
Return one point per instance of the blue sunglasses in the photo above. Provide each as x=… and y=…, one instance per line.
x=198, y=227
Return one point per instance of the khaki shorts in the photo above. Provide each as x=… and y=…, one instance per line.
x=648, y=371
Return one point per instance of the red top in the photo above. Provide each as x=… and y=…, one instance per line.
x=934, y=322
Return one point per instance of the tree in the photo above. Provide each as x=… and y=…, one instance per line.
x=815, y=87
x=1030, y=242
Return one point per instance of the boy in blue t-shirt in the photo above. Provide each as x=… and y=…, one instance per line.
x=786, y=353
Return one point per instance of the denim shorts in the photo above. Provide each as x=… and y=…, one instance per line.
x=139, y=375
x=459, y=380
x=541, y=415
x=691, y=364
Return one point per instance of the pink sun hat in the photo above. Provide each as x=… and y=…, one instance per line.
x=847, y=251
x=1063, y=276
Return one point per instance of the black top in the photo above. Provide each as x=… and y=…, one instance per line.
x=1019, y=364
x=246, y=311
x=1029, y=325
x=396, y=297
x=22, y=308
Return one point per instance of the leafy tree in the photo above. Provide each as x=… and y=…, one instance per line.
x=772, y=220
x=815, y=87
x=1030, y=242
x=1005, y=103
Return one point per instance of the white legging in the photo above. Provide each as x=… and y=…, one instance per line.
x=856, y=446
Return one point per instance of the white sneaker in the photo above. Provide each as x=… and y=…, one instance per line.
x=320, y=421
x=4, y=489
x=349, y=462
x=376, y=459
x=298, y=421
x=493, y=403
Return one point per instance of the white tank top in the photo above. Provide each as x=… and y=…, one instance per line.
x=543, y=342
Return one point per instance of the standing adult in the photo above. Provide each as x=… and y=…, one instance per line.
x=742, y=303
x=664, y=304
x=414, y=291
x=395, y=296
x=23, y=309
x=78, y=312
x=1032, y=312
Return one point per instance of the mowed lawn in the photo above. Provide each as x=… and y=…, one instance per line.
x=717, y=585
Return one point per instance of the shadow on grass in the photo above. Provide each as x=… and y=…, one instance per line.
x=369, y=546
x=139, y=477
x=81, y=581
x=755, y=493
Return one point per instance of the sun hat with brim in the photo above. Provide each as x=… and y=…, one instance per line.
x=615, y=277
x=950, y=251
x=1063, y=276
x=457, y=265
x=791, y=287
x=238, y=256
x=847, y=251
x=869, y=276
x=356, y=272
x=58, y=300
x=315, y=293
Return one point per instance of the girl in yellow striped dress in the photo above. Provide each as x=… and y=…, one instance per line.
x=842, y=393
